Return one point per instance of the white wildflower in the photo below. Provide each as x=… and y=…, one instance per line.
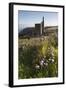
x=41, y=62
x=46, y=64
x=37, y=66
x=52, y=60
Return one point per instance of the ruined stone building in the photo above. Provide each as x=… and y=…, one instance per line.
x=38, y=30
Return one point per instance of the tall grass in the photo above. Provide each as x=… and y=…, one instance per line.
x=38, y=57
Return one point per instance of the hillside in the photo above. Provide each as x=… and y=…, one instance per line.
x=29, y=31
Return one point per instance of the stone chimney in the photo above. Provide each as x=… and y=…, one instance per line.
x=43, y=25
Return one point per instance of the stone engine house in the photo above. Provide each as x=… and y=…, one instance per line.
x=38, y=30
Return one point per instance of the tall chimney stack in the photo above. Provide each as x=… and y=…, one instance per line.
x=43, y=26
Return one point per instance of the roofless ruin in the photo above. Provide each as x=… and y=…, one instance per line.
x=38, y=30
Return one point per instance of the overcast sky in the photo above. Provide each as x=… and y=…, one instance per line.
x=29, y=18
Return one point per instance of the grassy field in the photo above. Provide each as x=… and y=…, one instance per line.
x=38, y=57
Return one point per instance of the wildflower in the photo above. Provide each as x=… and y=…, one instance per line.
x=46, y=64
x=37, y=66
x=52, y=60
x=41, y=62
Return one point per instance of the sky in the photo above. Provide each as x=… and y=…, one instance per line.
x=30, y=18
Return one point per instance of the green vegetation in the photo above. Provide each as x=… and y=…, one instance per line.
x=38, y=57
